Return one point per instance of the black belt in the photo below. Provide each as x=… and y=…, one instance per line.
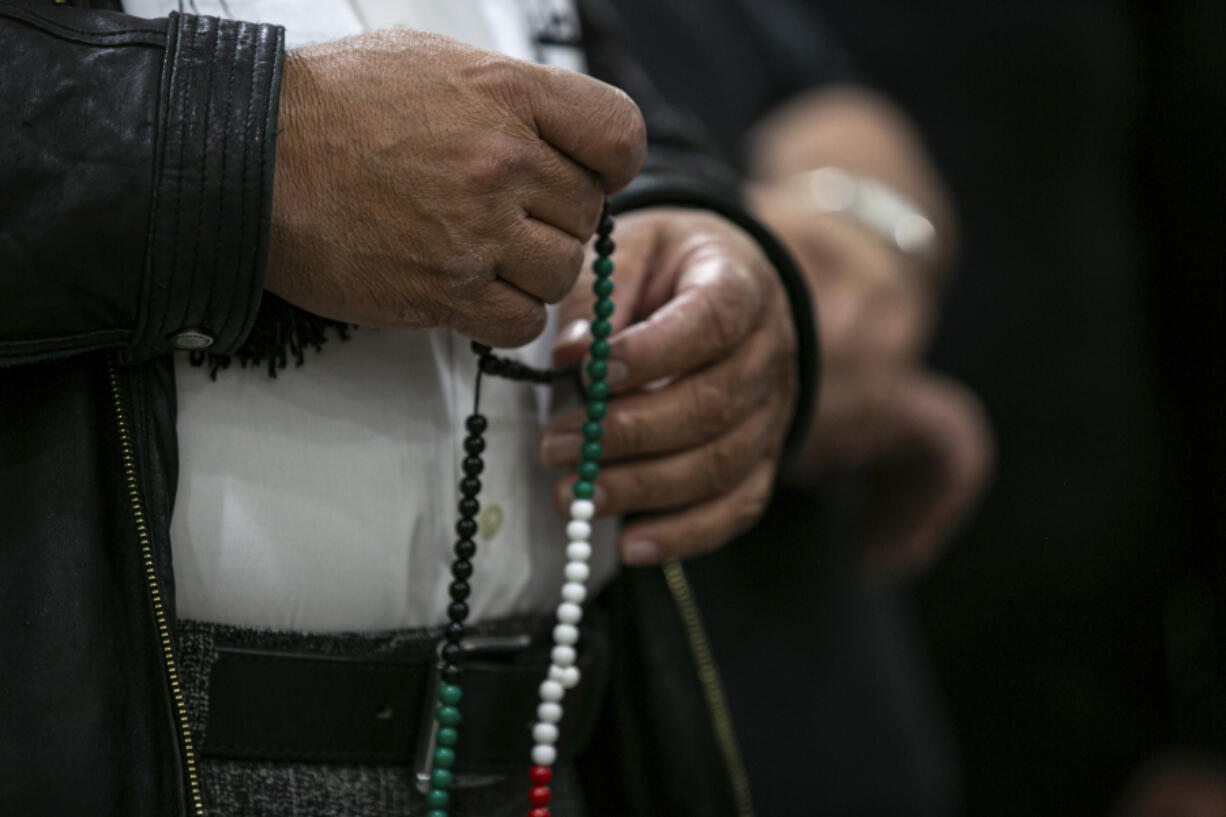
x=266, y=705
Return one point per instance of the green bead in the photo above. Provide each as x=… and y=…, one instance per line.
x=446, y=736
x=603, y=308
x=440, y=778
x=597, y=390
x=601, y=328
x=599, y=348
x=444, y=757
x=603, y=266
x=582, y=489
x=449, y=694
x=588, y=471
x=602, y=287
x=591, y=452
x=447, y=715
x=436, y=812
x=592, y=431
x=437, y=798
x=596, y=409
x=597, y=369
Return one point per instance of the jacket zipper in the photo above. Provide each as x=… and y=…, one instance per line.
x=712, y=687
x=127, y=450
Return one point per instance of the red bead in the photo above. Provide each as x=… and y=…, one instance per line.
x=541, y=775
x=539, y=795
x=539, y=812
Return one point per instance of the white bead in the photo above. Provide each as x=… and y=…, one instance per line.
x=565, y=634
x=577, y=571
x=551, y=691
x=562, y=655
x=569, y=613
x=544, y=755
x=574, y=592
x=578, y=530
x=570, y=677
x=545, y=733
x=549, y=712
x=556, y=673
x=578, y=551
x=582, y=509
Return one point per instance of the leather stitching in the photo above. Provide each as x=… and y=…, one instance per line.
x=204, y=27
x=221, y=263
x=179, y=90
x=248, y=115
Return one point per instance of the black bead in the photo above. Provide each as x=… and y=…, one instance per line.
x=605, y=245
x=466, y=528
x=460, y=590
x=457, y=611
x=473, y=466
x=451, y=652
x=605, y=226
x=461, y=568
x=470, y=486
x=475, y=423
x=465, y=549
x=474, y=445
x=469, y=506
x=450, y=673
x=454, y=632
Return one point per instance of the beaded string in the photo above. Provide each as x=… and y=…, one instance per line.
x=563, y=674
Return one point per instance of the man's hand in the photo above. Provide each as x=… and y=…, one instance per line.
x=421, y=182
x=702, y=374
x=918, y=444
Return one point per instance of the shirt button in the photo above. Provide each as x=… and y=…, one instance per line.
x=192, y=339
x=489, y=520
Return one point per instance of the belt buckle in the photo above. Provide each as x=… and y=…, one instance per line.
x=470, y=647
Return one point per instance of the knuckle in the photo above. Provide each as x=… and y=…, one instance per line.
x=558, y=272
x=710, y=407
x=523, y=326
x=498, y=166
x=625, y=433
x=721, y=467
x=750, y=509
x=725, y=316
x=628, y=130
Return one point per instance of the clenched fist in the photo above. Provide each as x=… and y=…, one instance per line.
x=421, y=182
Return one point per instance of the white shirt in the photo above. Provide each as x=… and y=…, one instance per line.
x=325, y=499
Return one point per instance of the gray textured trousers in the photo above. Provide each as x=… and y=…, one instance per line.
x=245, y=788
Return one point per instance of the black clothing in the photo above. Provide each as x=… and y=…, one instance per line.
x=826, y=677
x=135, y=193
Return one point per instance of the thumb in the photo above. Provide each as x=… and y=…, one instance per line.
x=635, y=241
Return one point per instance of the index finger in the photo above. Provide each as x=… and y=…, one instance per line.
x=592, y=123
x=713, y=309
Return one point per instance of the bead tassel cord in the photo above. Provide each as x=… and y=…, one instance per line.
x=563, y=673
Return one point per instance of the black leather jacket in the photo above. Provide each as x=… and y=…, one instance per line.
x=136, y=165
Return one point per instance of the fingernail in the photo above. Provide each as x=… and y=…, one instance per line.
x=616, y=373
x=574, y=332
x=559, y=448
x=641, y=553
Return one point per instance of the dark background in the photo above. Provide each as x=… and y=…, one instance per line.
x=1078, y=626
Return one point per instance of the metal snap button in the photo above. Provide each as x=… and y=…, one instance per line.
x=192, y=339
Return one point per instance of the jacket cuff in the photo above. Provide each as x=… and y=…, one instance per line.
x=656, y=188
x=212, y=187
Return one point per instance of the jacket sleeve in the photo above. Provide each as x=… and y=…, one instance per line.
x=684, y=169
x=136, y=161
